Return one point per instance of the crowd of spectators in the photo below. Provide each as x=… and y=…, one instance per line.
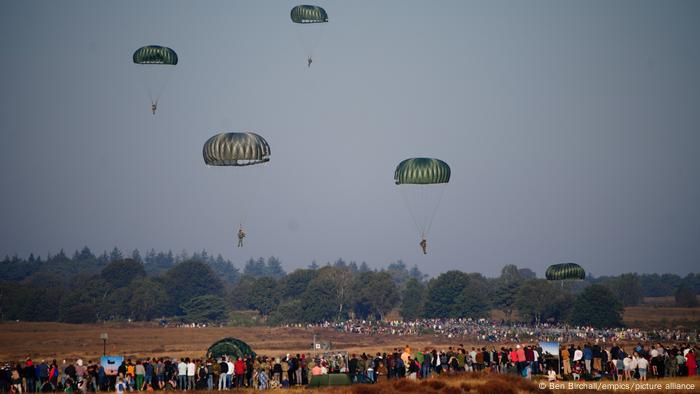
x=589, y=361
x=483, y=330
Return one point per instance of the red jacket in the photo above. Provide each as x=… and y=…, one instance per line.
x=239, y=367
x=513, y=356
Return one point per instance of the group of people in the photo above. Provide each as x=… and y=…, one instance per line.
x=588, y=362
x=166, y=374
x=484, y=330
x=642, y=361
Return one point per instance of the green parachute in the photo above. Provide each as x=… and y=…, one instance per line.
x=230, y=347
x=239, y=150
x=565, y=271
x=236, y=149
x=309, y=14
x=155, y=54
x=153, y=61
x=314, y=17
x=422, y=182
x=422, y=171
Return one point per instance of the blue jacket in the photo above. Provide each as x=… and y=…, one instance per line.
x=587, y=353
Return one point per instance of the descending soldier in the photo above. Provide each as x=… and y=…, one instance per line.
x=309, y=61
x=241, y=235
x=154, y=107
x=424, y=245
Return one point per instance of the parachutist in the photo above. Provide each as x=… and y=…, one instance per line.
x=241, y=235
x=309, y=61
x=424, y=245
x=154, y=106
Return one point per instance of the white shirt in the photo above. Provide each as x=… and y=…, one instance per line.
x=190, y=369
x=578, y=354
x=642, y=363
x=182, y=368
x=628, y=363
x=230, y=368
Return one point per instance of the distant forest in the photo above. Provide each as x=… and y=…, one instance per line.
x=202, y=288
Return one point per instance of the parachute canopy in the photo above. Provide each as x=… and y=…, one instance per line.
x=236, y=149
x=565, y=271
x=422, y=171
x=231, y=347
x=155, y=54
x=309, y=14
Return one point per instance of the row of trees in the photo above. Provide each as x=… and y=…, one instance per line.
x=88, y=288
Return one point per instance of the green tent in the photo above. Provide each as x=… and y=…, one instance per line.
x=231, y=347
x=331, y=379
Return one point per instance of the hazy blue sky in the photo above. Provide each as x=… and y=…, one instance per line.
x=572, y=129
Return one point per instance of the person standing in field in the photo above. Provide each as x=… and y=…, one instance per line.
x=691, y=363
x=643, y=365
x=223, y=370
x=140, y=372
x=239, y=370
x=230, y=373
x=182, y=374
x=191, y=368
x=16, y=378
x=587, y=356
x=565, y=360
x=120, y=387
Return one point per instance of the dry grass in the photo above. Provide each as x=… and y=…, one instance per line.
x=58, y=340
x=661, y=312
x=654, y=316
x=486, y=384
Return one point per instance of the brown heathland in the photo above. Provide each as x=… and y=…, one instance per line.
x=58, y=340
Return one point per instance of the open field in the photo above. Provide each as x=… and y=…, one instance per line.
x=58, y=340
x=652, y=315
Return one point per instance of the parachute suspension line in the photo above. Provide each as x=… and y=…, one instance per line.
x=164, y=83
x=310, y=36
x=254, y=177
x=243, y=217
x=155, y=80
x=432, y=216
x=410, y=210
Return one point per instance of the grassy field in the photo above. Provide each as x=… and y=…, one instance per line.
x=660, y=312
x=58, y=340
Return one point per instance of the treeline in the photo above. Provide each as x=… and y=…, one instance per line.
x=203, y=288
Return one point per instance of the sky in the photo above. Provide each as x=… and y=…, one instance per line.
x=571, y=128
